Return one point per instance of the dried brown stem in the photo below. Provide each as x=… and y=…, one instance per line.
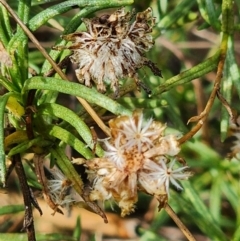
x=93, y=114
x=28, y=223
x=203, y=116
x=232, y=113
x=38, y=163
x=62, y=65
x=94, y=138
x=179, y=223
x=92, y=206
x=201, y=101
x=28, y=114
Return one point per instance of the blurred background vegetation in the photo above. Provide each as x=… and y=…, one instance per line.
x=187, y=33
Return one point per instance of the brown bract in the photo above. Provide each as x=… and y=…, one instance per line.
x=112, y=48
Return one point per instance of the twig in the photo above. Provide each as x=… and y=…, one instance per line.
x=232, y=113
x=62, y=65
x=28, y=114
x=38, y=163
x=227, y=30
x=92, y=206
x=92, y=113
x=28, y=223
x=179, y=223
x=202, y=117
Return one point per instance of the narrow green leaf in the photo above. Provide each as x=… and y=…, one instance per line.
x=160, y=219
x=184, y=206
x=234, y=70
x=39, y=237
x=39, y=2
x=24, y=146
x=208, y=13
x=65, y=6
x=21, y=45
x=40, y=19
x=77, y=231
x=75, y=89
x=24, y=10
x=197, y=71
x=231, y=192
x=213, y=14
x=5, y=29
x=74, y=120
x=215, y=198
x=227, y=17
x=215, y=233
x=148, y=235
x=179, y=11
x=11, y=209
x=7, y=84
x=174, y=113
x=236, y=235
x=3, y=102
x=70, y=139
x=227, y=83
x=14, y=71
x=137, y=102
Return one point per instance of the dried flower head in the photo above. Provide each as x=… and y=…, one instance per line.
x=136, y=157
x=60, y=189
x=112, y=48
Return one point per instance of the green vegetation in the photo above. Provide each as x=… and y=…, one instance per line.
x=197, y=49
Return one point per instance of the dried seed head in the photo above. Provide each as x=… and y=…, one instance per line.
x=136, y=157
x=112, y=48
x=61, y=190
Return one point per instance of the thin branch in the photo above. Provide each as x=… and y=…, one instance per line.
x=38, y=163
x=203, y=116
x=232, y=112
x=179, y=223
x=28, y=223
